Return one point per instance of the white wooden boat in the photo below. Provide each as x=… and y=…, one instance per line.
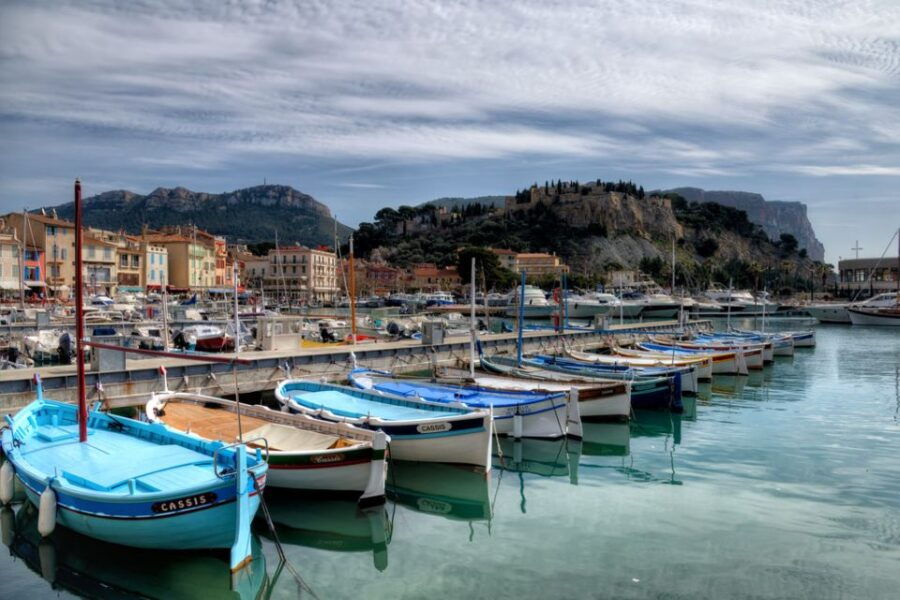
x=303, y=453
x=701, y=364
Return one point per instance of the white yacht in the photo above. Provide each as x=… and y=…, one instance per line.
x=741, y=301
x=654, y=306
x=598, y=303
x=536, y=305
x=883, y=309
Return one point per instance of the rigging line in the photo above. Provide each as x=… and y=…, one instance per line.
x=271, y=525
x=872, y=270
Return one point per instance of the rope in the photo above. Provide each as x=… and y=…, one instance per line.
x=284, y=560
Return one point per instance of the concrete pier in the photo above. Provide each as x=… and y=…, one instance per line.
x=132, y=385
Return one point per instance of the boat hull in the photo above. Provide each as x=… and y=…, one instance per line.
x=201, y=529
x=862, y=317
x=829, y=314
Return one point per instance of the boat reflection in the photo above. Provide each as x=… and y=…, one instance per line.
x=605, y=439
x=651, y=423
x=450, y=491
x=330, y=523
x=93, y=569
x=729, y=385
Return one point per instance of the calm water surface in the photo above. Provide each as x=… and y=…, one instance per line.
x=784, y=484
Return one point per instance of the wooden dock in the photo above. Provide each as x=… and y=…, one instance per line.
x=132, y=385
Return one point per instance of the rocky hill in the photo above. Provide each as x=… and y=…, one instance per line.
x=594, y=226
x=247, y=215
x=774, y=216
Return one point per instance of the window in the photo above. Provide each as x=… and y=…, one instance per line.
x=51, y=230
x=107, y=253
x=153, y=260
x=123, y=260
x=91, y=250
x=55, y=252
x=63, y=253
x=135, y=261
x=153, y=274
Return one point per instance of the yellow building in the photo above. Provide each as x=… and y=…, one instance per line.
x=191, y=260
x=302, y=273
x=100, y=265
x=56, y=238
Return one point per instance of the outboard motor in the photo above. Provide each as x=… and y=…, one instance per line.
x=393, y=329
x=12, y=354
x=326, y=333
x=64, y=350
x=178, y=341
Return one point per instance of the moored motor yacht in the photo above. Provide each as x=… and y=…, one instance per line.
x=536, y=305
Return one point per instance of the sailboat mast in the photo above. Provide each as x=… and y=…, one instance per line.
x=472, y=322
x=521, y=313
x=79, y=318
x=352, y=293
x=22, y=247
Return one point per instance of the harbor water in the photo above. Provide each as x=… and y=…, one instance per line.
x=783, y=484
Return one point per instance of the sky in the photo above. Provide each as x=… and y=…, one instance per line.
x=382, y=103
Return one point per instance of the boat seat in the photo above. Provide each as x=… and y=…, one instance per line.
x=51, y=433
x=98, y=471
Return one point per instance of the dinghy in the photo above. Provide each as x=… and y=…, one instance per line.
x=651, y=393
x=124, y=481
x=419, y=430
x=515, y=412
x=303, y=453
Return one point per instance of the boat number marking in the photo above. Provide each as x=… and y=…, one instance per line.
x=434, y=506
x=433, y=427
x=182, y=503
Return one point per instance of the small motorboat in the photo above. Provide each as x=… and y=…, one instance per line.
x=205, y=338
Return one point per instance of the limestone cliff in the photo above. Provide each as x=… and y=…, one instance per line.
x=774, y=216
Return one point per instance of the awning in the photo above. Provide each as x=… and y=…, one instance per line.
x=9, y=284
x=130, y=288
x=35, y=283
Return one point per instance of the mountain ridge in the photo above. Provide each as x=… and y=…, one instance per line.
x=245, y=215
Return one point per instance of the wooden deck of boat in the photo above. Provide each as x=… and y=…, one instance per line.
x=208, y=422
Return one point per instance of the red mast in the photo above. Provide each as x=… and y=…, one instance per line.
x=79, y=318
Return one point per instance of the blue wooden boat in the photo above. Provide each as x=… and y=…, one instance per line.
x=123, y=481
x=539, y=414
x=649, y=393
x=419, y=430
x=134, y=483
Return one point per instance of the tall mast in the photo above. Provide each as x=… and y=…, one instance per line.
x=521, y=319
x=352, y=293
x=22, y=247
x=472, y=323
x=79, y=318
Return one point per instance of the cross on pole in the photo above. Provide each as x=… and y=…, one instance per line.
x=856, y=248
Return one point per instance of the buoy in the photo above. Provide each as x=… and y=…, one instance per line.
x=47, y=512
x=7, y=483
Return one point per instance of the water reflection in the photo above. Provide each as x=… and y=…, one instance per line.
x=87, y=567
x=450, y=491
x=334, y=524
x=606, y=439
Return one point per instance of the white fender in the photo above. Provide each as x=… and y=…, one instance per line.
x=7, y=483
x=47, y=512
x=517, y=426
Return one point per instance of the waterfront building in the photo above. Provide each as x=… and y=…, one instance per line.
x=130, y=271
x=376, y=278
x=9, y=265
x=54, y=239
x=428, y=277
x=302, y=274
x=190, y=256
x=855, y=273
x=100, y=264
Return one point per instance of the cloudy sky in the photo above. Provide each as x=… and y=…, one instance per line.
x=378, y=102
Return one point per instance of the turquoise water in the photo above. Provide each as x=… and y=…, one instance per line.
x=784, y=484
